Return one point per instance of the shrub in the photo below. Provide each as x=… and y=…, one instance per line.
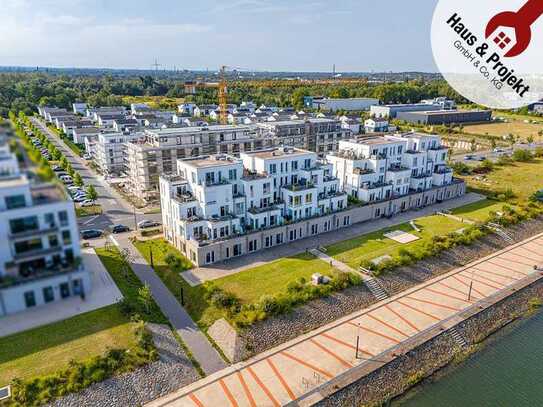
x=522, y=155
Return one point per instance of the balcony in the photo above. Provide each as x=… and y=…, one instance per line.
x=299, y=187
x=33, y=232
x=422, y=176
x=14, y=275
x=18, y=257
x=258, y=211
x=398, y=168
x=376, y=185
x=214, y=183
x=443, y=171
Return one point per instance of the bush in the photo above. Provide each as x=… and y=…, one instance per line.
x=522, y=155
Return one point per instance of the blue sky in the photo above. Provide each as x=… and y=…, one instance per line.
x=304, y=35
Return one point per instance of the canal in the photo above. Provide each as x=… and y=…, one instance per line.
x=507, y=371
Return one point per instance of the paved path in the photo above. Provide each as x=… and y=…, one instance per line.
x=199, y=275
x=196, y=341
x=336, y=263
x=295, y=371
x=104, y=292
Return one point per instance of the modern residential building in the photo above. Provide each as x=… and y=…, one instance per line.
x=109, y=151
x=213, y=198
x=391, y=111
x=376, y=125
x=380, y=168
x=333, y=105
x=203, y=110
x=39, y=242
x=157, y=152
x=79, y=108
x=318, y=135
x=446, y=116
x=81, y=134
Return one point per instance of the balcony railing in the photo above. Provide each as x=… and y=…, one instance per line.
x=32, y=232
x=14, y=278
x=36, y=253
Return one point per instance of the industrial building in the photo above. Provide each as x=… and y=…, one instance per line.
x=440, y=117
x=333, y=105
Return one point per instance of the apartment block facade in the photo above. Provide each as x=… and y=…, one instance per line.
x=381, y=168
x=39, y=242
x=220, y=196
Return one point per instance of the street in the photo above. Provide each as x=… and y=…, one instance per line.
x=493, y=155
x=115, y=209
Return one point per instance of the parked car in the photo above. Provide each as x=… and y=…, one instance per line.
x=87, y=157
x=66, y=179
x=87, y=202
x=481, y=158
x=91, y=233
x=79, y=198
x=144, y=224
x=119, y=229
x=57, y=168
x=469, y=157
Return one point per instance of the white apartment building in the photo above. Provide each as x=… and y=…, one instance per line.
x=382, y=168
x=109, y=151
x=156, y=153
x=39, y=251
x=217, y=197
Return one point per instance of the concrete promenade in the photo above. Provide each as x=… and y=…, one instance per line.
x=295, y=371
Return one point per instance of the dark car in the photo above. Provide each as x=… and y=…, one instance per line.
x=58, y=168
x=91, y=233
x=119, y=229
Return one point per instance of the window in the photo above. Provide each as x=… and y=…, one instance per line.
x=268, y=241
x=237, y=249
x=53, y=240
x=15, y=201
x=307, y=163
x=346, y=220
x=48, y=294
x=27, y=246
x=30, y=299
x=279, y=238
x=232, y=174
x=210, y=257
x=63, y=218
x=294, y=165
x=24, y=224
x=252, y=245
x=314, y=229
x=64, y=290
x=66, y=237
x=309, y=198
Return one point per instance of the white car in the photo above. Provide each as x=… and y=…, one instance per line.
x=87, y=202
x=87, y=157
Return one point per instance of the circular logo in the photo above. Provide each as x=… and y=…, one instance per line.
x=491, y=51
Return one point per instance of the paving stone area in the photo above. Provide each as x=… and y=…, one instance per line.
x=172, y=371
x=274, y=331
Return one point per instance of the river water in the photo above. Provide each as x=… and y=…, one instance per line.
x=507, y=372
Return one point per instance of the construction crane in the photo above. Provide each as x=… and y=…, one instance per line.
x=223, y=114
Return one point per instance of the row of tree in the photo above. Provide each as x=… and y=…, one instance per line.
x=23, y=91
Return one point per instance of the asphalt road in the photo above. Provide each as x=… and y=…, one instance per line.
x=115, y=209
x=493, y=156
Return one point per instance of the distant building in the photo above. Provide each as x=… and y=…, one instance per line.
x=186, y=108
x=446, y=117
x=391, y=111
x=81, y=134
x=349, y=104
x=79, y=108
x=376, y=125
x=204, y=110
x=446, y=104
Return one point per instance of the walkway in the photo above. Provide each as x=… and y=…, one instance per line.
x=296, y=370
x=202, y=350
x=104, y=292
x=199, y=275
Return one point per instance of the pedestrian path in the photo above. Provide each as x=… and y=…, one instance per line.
x=294, y=373
x=200, y=275
x=200, y=347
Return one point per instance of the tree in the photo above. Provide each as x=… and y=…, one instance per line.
x=91, y=193
x=78, y=181
x=145, y=297
x=126, y=259
x=473, y=145
x=530, y=139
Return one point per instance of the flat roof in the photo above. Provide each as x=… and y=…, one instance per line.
x=447, y=112
x=278, y=153
x=211, y=161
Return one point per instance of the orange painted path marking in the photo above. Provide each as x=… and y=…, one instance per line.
x=507, y=268
x=531, y=251
x=483, y=283
x=467, y=285
x=495, y=274
x=523, y=256
x=281, y=379
x=408, y=322
x=515, y=261
x=419, y=311
x=263, y=387
x=390, y=338
x=457, y=290
x=387, y=325
x=306, y=364
x=435, y=304
x=228, y=394
x=346, y=344
x=334, y=355
x=246, y=390
x=195, y=400
x=492, y=281
x=432, y=290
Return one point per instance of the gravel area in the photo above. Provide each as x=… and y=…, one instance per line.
x=274, y=331
x=172, y=371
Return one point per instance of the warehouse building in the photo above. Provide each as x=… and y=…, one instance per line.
x=446, y=117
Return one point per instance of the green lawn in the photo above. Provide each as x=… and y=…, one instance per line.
x=373, y=245
x=248, y=285
x=272, y=278
x=88, y=211
x=478, y=211
x=50, y=348
x=522, y=178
